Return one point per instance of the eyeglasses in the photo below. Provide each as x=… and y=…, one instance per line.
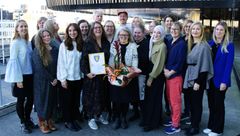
x=97, y=27
x=123, y=35
x=175, y=29
x=108, y=26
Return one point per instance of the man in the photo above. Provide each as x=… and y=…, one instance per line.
x=123, y=17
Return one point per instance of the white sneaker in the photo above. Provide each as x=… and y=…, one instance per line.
x=214, y=134
x=207, y=131
x=102, y=120
x=92, y=124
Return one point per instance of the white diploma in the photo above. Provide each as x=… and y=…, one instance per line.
x=97, y=63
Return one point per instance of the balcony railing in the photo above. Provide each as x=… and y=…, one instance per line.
x=71, y=5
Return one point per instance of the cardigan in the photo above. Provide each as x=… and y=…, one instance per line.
x=157, y=57
x=131, y=55
x=20, y=62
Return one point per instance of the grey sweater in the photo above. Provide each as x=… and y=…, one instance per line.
x=199, y=60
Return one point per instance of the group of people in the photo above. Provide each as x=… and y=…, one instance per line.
x=52, y=73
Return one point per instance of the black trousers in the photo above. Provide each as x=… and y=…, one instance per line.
x=24, y=108
x=196, y=98
x=121, y=109
x=186, y=96
x=216, y=109
x=24, y=98
x=71, y=100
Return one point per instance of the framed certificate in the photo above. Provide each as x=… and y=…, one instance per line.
x=97, y=63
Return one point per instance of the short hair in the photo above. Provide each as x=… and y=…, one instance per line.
x=124, y=28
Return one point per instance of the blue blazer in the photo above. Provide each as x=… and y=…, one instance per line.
x=223, y=64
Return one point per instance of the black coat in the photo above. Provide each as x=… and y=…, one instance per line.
x=94, y=90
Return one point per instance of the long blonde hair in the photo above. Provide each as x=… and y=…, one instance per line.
x=16, y=34
x=44, y=53
x=225, y=40
x=190, y=37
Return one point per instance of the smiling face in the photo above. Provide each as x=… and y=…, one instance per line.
x=138, y=34
x=123, y=37
x=175, y=31
x=72, y=32
x=168, y=22
x=98, y=17
x=46, y=37
x=123, y=17
x=84, y=28
x=109, y=28
x=156, y=34
x=219, y=32
x=22, y=29
x=97, y=30
x=196, y=31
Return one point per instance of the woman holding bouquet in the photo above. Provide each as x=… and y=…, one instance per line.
x=154, y=89
x=123, y=53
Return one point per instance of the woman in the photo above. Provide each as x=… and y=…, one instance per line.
x=198, y=74
x=223, y=56
x=45, y=80
x=186, y=114
x=110, y=30
x=121, y=96
x=70, y=75
x=84, y=27
x=94, y=88
x=154, y=89
x=40, y=24
x=19, y=72
x=186, y=27
x=52, y=26
x=176, y=56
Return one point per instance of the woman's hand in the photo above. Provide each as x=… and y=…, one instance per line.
x=64, y=84
x=54, y=82
x=149, y=82
x=19, y=84
x=223, y=87
x=91, y=75
x=196, y=87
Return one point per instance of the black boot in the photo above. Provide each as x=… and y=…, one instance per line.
x=25, y=128
x=124, y=123
x=116, y=124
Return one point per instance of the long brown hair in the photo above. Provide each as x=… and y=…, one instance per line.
x=44, y=53
x=16, y=34
x=68, y=40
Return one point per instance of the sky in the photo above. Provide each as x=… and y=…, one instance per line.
x=12, y=5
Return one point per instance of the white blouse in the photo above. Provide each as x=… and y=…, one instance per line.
x=68, y=67
x=20, y=62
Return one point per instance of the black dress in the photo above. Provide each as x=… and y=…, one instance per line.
x=95, y=89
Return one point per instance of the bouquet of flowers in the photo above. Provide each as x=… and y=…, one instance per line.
x=119, y=74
